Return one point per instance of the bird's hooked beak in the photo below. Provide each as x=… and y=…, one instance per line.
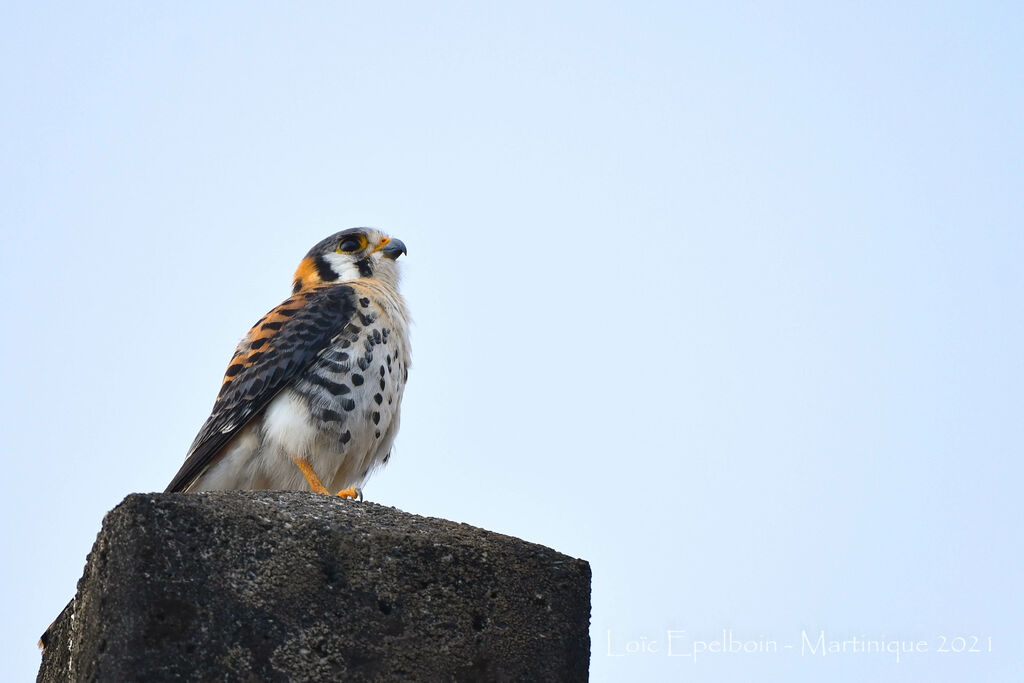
x=391, y=248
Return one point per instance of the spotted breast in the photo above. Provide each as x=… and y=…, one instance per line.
x=352, y=394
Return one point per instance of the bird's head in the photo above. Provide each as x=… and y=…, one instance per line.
x=350, y=255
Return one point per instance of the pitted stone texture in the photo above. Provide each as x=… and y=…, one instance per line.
x=290, y=586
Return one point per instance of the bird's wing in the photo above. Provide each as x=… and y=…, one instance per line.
x=279, y=347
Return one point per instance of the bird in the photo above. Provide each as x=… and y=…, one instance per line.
x=311, y=397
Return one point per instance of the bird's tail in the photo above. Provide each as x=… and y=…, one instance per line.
x=44, y=640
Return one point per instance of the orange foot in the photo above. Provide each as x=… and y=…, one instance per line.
x=317, y=485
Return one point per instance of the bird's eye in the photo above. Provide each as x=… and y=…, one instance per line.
x=351, y=244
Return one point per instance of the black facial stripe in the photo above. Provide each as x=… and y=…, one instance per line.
x=323, y=269
x=364, y=267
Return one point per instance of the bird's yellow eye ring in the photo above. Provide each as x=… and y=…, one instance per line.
x=351, y=244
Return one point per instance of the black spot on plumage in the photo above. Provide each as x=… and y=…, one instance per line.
x=384, y=333
x=323, y=269
x=381, y=370
x=357, y=379
x=348, y=404
x=329, y=415
x=297, y=286
x=378, y=398
x=287, y=312
x=376, y=336
x=376, y=435
x=364, y=302
x=364, y=362
x=376, y=417
x=335, y=388
x=234, y=369
x=346, y=437
x=352, y=328
x=365, y=269
x=382, y=385
x=276, y=325
x=258, y=343
x=386, y=458
x=366, y=319
x=254, y=357
x=345, y=343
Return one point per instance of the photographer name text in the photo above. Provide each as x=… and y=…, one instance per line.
x=820, y=643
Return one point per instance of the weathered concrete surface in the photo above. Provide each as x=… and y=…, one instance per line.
x=286, y=586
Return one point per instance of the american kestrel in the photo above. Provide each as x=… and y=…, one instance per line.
x=311, y=397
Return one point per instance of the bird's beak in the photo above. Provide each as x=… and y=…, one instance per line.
x=392, y=248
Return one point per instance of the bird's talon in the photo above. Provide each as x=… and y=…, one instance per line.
x=351, y=492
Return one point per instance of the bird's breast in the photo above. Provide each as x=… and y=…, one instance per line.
x=343, y=413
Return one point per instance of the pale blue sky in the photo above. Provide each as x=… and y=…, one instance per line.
x=725, y=298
